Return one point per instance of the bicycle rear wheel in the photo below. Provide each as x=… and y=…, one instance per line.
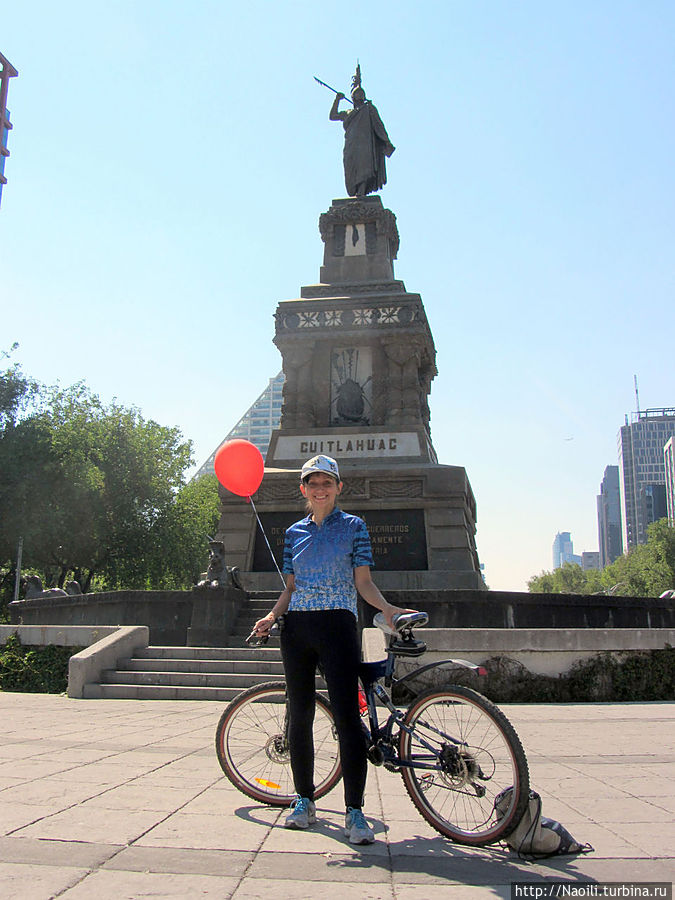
x=252, y=745
x=477, y=755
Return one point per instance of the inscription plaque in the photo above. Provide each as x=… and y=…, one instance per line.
x=397, y=537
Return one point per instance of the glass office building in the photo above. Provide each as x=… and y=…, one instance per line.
x=257, y=423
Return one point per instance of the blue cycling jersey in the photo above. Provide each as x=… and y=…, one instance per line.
x=323, y=558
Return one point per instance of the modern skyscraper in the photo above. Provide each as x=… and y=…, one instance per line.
x=257, y=423
x=590, y=559
x=609, y=517
x=7, y=71
x=563, y=550
x=641, y=465
x=669, y=460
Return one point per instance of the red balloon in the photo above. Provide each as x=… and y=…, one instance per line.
x=239, y=467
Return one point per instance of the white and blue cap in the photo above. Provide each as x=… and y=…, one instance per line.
x=320, y=464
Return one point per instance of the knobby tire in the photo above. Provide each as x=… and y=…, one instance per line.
x=253, y=753
x=457, y=799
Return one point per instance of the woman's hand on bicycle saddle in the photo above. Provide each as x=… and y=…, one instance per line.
x=393, y=611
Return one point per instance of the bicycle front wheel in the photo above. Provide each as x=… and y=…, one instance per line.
x=458, y=752
x=252, y=745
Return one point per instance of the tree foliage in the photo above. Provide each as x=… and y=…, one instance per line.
x=96, y=491
x=645, y=571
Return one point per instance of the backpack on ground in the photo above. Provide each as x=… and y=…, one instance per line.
x=535, y=836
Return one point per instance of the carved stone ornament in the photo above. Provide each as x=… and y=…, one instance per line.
x=361, y=317
x=358, y=212
x=383, y=489
x=329, y=290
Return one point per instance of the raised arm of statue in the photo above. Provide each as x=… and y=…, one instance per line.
x=335, y=115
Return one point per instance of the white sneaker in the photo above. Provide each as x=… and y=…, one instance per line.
x=303, y=815
x=357, y=829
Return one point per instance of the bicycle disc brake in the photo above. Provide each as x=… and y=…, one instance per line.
x=276, y=749
x=460, y=769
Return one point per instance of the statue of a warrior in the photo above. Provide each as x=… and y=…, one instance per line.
x=366, y=142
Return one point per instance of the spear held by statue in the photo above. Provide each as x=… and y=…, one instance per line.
x=323, y=83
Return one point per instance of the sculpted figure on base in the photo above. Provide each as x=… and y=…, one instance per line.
x=366, y=142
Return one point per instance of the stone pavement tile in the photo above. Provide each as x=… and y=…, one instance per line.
x=566, y=813
x=605, y=841
x=74, y=756
x=586, y=868
x=347, y=866
x=22, y=749
x=453, y=892
x=221, y=801
x=568, y=786
x=25, y=882
x=107, y=884
x=325, y=837
x=18, y=815
x=107, y=772
x=271, y=889
x=411, y=839
x=649, y=786
x=157, y=781
x=445, y=867
x=48, y=791
x=33, y=851
x=209, y=832
x=31, y=769
x=134, y=796
x=232, y=863
x=667, y=803
x=654, y=840
x=7, y=781
x=97, y=825
x=630, y=809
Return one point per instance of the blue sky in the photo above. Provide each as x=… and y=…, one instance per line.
x=169, y=162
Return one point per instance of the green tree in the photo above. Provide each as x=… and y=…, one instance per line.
x=570, y=578
x=645, y=571
x=86, y=485
x=179, y=551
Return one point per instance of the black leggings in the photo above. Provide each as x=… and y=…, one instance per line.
x=329, y=637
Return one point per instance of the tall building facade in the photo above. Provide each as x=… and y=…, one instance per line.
x=669, y=464
x=609, y=517
x=641, y=468
x=7, y=71
x=563, y=550
x=257, y=423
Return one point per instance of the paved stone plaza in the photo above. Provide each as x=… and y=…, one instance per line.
x=125, y=799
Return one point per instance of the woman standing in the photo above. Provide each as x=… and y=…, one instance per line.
x=327, y=559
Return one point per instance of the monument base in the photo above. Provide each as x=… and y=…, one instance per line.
x=420, y=516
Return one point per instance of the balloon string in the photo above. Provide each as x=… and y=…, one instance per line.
x=274, y=560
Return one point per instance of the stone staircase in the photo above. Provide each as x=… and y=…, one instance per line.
x=197, y=673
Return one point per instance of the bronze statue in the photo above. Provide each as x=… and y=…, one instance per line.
x=366, y=141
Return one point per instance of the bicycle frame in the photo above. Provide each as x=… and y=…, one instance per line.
x=370, y=674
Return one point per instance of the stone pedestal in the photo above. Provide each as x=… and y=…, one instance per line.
x=359, y=358
x=214, y=612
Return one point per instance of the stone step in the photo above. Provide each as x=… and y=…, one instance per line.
x=158, y=692
x=216, y=666
x=265, y=652
x=240, y=681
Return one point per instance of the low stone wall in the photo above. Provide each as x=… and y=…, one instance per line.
x=511, y=609
x=166, y=613
x=542, y=664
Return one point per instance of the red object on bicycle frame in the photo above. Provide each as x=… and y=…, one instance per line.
x=363, y=704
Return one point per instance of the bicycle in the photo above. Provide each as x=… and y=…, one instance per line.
x=454, y=749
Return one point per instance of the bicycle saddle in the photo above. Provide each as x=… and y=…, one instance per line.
x=402, y=622
x=401, y=640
